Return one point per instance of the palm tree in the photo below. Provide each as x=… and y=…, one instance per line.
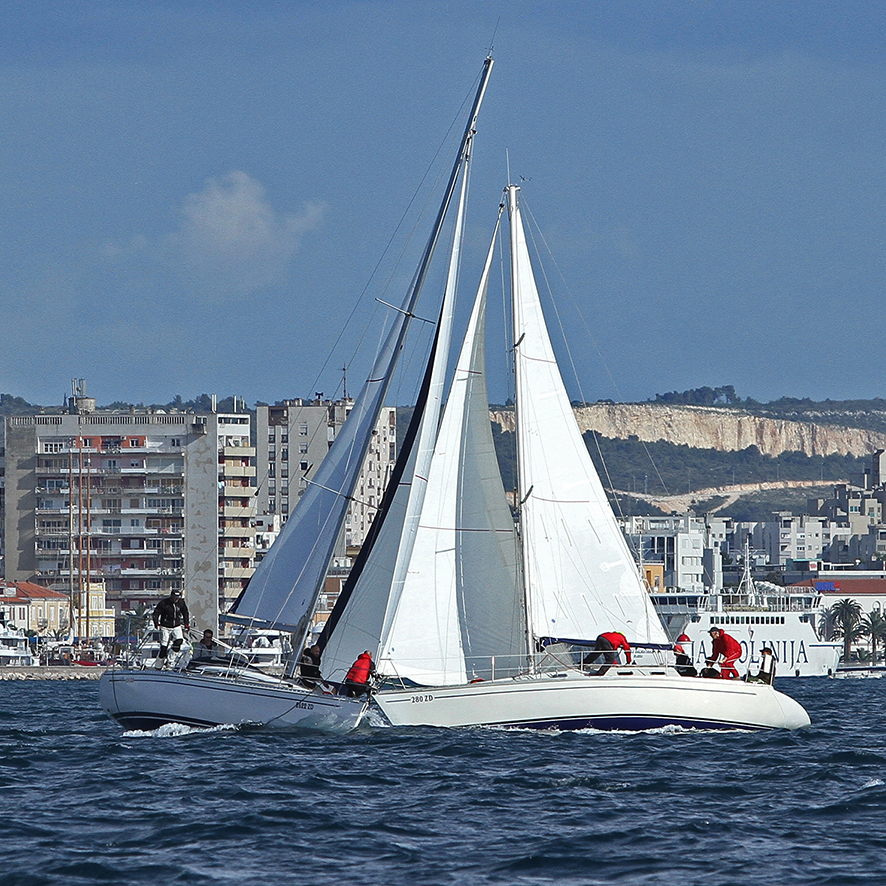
x=874, y=626
x=847, y=618
x=827, y=625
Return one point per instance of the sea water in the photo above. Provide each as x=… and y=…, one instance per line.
x=84, y=802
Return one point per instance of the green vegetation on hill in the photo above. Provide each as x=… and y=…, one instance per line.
x=10, y=405
x=631, y=466
x=670, y=469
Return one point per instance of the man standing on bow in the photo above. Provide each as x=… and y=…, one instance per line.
x=171, y=616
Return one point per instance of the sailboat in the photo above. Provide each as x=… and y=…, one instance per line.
x=283, y=592
x=483, y=614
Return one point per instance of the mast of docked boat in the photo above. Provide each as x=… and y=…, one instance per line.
x=519, y=496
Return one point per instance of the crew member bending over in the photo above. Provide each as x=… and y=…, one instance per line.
x=727, y=647
x=357, y=678
x=608, y=645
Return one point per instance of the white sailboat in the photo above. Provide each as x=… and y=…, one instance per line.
x=283, y=592
x=477, y=617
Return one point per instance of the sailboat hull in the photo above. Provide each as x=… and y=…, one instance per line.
x=146, y=699
x=630, y=699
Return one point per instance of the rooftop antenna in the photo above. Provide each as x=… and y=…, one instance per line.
x=344, y=377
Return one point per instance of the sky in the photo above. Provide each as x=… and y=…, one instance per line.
x=196, y=196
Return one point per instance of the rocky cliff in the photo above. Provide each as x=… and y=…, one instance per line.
x=703, y=427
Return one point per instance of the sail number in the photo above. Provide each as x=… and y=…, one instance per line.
x=418, y=699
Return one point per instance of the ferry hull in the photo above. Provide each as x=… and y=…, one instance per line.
x=622, y=699
x=146, y=699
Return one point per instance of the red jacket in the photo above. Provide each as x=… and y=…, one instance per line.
x=726, y=646
x=360, y=669
x=619, y=641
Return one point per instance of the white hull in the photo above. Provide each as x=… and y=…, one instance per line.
x=146, y=699
x=624, y=699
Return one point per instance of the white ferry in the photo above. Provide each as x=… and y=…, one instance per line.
x=757, y=614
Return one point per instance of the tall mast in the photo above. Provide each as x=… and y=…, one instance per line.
x=519, y=493
x=285, y=586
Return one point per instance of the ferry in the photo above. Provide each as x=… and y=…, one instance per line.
x=757, y=614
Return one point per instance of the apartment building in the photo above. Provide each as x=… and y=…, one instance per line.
x=140, y=501
x=674, y=544
x=292, y=439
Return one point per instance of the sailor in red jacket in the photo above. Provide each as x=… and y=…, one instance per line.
x=729, y=648
x=608, y=645
x=357, y=678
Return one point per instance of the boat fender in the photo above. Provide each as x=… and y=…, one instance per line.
x=478, y=680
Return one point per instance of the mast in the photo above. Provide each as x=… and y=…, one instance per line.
x=284, y=589
x=518, y=493
x=88, y=538
x=71, y=536
x=417, y=445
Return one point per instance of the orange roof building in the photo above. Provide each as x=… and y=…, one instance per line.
x=32, y=607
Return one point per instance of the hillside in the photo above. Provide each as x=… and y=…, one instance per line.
x=725, y=429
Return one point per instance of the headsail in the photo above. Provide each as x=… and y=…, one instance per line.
x=580, y=576
x=459, y=604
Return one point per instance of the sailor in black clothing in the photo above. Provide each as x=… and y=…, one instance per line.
x=309, y=666
x=172, y=618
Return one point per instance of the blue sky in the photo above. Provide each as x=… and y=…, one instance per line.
x=194, y=195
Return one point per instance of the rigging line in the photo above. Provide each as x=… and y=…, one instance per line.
x=577, y=306
x=338, y=492
x=447, y=138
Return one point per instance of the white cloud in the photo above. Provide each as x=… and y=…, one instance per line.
x=231, y=241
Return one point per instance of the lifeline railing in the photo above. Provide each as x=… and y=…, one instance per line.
x=559, y=656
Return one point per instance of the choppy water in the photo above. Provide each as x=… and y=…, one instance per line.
x=85, y=803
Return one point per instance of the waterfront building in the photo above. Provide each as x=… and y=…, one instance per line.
x=31, y=607
x=672, y=547
x=141, y=501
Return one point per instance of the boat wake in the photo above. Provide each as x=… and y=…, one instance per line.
x=174, y=730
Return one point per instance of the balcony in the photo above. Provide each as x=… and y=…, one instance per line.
x=237, y=511
x=236, y=572
x=236, y=470
x=237, y=451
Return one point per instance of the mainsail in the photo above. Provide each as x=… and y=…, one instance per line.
x=580, y=576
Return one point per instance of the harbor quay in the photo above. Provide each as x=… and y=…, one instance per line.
x=52, y=673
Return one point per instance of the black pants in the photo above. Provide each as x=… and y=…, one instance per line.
x=355, y=690
x=605, y=649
